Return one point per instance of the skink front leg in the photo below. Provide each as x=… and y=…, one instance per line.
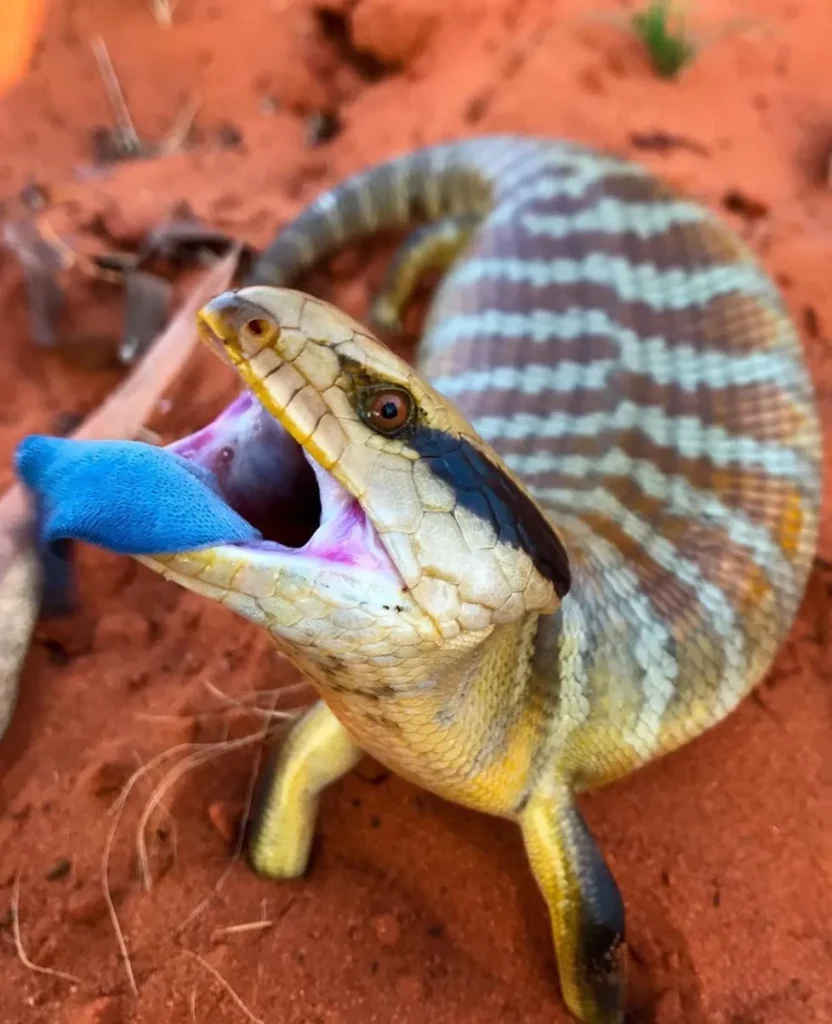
x=584, y=904
x=317, y=752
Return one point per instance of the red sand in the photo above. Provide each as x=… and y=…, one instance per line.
x=414, y=910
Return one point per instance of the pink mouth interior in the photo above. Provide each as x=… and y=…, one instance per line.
x=266, y=477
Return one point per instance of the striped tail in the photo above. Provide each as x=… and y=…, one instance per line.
x=422, y=186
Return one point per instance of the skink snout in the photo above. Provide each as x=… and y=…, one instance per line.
x=235, y=327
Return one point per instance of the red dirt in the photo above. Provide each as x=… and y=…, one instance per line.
x=414, y=910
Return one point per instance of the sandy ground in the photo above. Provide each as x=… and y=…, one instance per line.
x=414, y=910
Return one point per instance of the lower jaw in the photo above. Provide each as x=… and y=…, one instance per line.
x=315, y=610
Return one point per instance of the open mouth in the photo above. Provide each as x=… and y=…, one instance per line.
x=265, y=476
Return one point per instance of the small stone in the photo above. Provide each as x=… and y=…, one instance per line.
x=744, y=204
x=387, y=929
x=225, y=818
x=122, y=628
x=410, y=988
x=106, y=1010
x=323, y=126
x=86, y=906
x=669, y=1009
x=65, y=637
x=394, y=33
x=229, y=135
x=20, y=810
x=137, y=680
x=590, y=78
x=60, y=869
x=105, y=778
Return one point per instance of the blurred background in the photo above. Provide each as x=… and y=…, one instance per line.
x=138, y=138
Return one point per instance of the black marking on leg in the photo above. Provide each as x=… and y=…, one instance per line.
x=602, y=948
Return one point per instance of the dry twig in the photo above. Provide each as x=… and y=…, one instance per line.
x=121, y=113
x=240, y=929
x=178, y=132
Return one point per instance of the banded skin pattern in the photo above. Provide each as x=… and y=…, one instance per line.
x=601, y=350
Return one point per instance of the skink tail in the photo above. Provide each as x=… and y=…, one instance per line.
x=424, y=186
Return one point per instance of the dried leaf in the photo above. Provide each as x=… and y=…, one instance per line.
x=184, y=240
x=146, y=310
x=42, y=263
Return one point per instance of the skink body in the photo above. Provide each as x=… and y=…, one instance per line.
x=569, y=541
x=631, y=363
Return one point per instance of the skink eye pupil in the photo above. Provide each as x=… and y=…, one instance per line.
x=388, y=411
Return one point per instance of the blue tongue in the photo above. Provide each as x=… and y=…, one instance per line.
x=128, y=497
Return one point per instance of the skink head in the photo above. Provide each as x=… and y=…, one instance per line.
x=424, y=539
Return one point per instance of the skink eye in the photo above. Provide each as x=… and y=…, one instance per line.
x=387, y=411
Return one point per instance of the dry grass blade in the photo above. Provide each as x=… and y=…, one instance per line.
x=178, y=132
x=188, y=764
x=121, y=112
x=248, y=702
x=118, y=809
x=219, y=978
x=18, y=941
x=238, y=849
x=244, y=929
x=162, y=11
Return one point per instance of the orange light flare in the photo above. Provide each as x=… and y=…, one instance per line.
x=22, y=20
